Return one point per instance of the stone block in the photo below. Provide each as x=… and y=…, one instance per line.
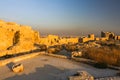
x=81, y=75
x=17, y=68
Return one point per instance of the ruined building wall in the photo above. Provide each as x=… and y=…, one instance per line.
x=109, y=35
x=90, y=37
x=15, y=38
x=52, y=40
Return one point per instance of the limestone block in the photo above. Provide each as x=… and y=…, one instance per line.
x=17, y=68
x=81, y=75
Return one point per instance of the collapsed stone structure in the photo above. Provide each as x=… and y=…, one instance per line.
x=90, y=37
x=51, y=40
x=104, y=36
x=109, y=35
x=15, y=38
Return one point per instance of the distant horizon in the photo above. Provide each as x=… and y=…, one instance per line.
x=66, y=34
x=72, y=35
x=64, y=17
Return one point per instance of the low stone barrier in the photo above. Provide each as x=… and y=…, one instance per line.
x=114, y=67
x=88, y=61
x=19, y=58
x=58, y=56
x=82, y=60
x=109, y=78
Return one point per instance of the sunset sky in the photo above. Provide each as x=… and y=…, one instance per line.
x=64, y=17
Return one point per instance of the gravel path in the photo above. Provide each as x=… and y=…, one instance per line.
x=50, y=68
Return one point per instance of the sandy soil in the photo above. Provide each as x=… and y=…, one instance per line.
x=50, y=68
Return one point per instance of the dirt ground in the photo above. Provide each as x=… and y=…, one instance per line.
x=50, y=68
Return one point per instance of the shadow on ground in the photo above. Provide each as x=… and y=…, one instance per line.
x=47, y=72
x=65, y=53
x=9, y=65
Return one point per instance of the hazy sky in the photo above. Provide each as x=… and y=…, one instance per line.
x=65, y=17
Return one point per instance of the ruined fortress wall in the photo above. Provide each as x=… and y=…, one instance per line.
x=52, y=40
x=109, y=35
x=73, y=40
x=84, y=39
x=5, y=38
x=63, y=41
x=90, y=37
x=49, y=40
x=15, y=38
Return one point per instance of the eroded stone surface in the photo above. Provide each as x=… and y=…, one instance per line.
x=15, y=38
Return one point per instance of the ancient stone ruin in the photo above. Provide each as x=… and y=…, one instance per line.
x=15, y=38
x=17, y=68
x=81, y=75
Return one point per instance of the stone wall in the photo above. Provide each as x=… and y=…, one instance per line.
x=19, y=58
x=52, y=40
x=90, y=37
x=15, y=38
x=109, y=35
